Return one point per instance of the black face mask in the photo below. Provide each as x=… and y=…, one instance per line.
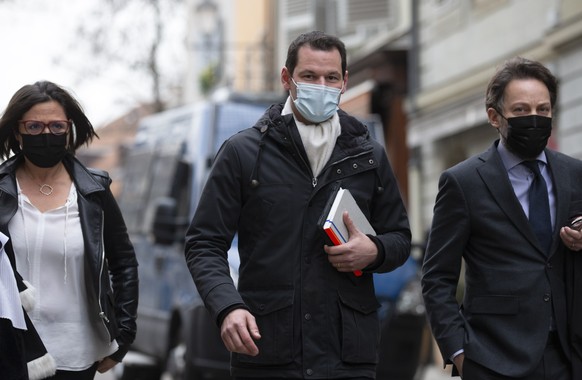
x=44, y=150
x=527, y=136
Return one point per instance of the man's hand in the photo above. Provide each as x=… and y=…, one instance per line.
x=571, y=238
x=458, y=360
x=106, y=364
x=239, y=331
x=356, y=254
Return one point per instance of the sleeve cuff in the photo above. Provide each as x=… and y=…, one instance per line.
x=120, y=353
x=457, y=353
x=379, y=258
x=225, y=312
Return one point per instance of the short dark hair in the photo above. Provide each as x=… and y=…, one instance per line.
x=518, y=68
x=318, y=41
x=40, y=92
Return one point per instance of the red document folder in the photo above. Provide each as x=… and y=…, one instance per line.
x=333, y=224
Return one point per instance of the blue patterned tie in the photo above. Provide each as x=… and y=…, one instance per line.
x=539, y=207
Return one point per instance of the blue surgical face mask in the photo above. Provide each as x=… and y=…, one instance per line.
x=316, y=102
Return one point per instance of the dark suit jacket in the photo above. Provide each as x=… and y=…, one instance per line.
x=511, y=284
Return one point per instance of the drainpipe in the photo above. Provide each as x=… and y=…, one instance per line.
x=413, y=58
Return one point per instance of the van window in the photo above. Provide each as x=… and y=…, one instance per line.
x=234, y=117
x=218, y=123
x=136, y=182
x=148, y=176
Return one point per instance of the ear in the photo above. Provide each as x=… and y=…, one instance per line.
x=17, y=137
x=285, y=78
x=494, y=118
x=345, y=86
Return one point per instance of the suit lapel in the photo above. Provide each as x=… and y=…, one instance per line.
x=562, y=186
x=496, y=180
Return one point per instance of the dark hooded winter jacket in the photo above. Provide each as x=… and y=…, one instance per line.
x=315, y=322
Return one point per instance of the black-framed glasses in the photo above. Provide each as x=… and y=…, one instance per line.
x=56, y=127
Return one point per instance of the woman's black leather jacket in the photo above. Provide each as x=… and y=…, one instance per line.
x=110, y=262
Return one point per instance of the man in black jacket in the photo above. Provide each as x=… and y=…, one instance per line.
x=299, y=310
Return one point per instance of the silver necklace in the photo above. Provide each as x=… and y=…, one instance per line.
x=45, y=189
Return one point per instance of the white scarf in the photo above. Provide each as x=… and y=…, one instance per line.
x=318, y=139
x=10, y=306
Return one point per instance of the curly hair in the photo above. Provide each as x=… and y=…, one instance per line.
x=518, y=68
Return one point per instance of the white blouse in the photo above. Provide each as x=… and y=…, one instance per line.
x=49, y=252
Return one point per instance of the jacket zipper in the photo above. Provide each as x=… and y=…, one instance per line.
x=313, y=178
x=102, y=315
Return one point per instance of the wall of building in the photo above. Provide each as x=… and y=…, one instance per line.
x=254, y=69
x=461, y=44
x=568, y=67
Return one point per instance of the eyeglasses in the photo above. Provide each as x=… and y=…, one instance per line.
x=56, y=127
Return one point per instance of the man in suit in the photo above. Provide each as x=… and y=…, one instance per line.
x=513, y=322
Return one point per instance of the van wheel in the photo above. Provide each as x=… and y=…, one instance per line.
x=176, y=363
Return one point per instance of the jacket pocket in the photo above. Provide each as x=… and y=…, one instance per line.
x=273, y=311
x=360, y=328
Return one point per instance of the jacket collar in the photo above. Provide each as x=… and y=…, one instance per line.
x=7, y=176
x=354, y=134
x=502, y=191
x=84, y=180
x=491, y=172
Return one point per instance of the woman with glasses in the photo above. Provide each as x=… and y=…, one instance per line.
x=68, y=245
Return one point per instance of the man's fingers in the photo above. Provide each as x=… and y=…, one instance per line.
x=352, y=229
x=251, y=333
x=238, y=332
x=106, y=364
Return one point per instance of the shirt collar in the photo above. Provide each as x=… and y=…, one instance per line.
x=510, y=160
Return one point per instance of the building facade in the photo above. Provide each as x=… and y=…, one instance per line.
x=230, y=44
x=418, y=66
x=460, y=45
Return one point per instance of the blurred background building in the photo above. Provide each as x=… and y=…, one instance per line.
x=460, y=44
x=420, y=66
